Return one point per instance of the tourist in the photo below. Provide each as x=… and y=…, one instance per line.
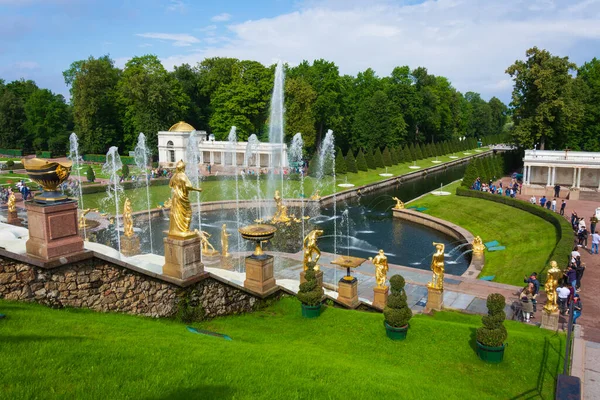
x=533, y=200
x=536, y=289
x=562, y=207
x=554, y=205
x=574, y=220
x=548, y=204
x=581, y=223
x=571, y=275
x=563, y=294
x=576, y=308
x=499, y=191
x=557, y=191
x=582, y=236
x=575, y=253
x=526, y=298
x=543, y=201
x=595, y=242
x=579, y=270
x=593, y=222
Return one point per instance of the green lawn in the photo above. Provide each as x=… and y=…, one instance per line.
x=133, y=170
x=275, y=354
x=529, y=240
x=11, y=180
x=225, y=189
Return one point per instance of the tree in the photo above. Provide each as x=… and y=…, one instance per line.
x=299, y=117
x=351, y=162
x=418, y=153
x=13, y=130
x=400, y=155
x=393, y=155
x=125, y=171
x=370, y=157
x=340, y=162
x=378, y=158
x=91, y=176
x=47, y=118
x=588, y=85
x=373, y=122
x=471, y=174
x=387, y=158
x=197, y=105
x=361, y=162
x=542, y=100
x=407, y=155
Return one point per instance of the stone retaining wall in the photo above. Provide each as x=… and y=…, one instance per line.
x=104, y=286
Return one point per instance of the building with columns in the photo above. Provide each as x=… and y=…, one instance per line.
x=172, y=145
x=576, y=171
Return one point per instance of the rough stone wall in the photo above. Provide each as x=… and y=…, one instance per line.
x=102, y=286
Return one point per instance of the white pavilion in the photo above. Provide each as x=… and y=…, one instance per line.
x=172, y=146
x=577, y=171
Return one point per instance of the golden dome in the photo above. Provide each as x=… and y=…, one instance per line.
x=182, y=127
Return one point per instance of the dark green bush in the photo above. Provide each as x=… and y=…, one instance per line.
x=378, y=158
x=91, y=176
x=10, y=163
x=361, y=161
x=396, y=312
x=125, y=171
x=493, y=332
x=310, y=293
x=340, y=162
x=387, y=157
x=11, y=152
x=189, y=308
x=370, y=157
x=351, y=162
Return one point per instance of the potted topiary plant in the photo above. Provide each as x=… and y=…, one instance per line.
x=491, y=336
x=396, y=312
x=310, y=293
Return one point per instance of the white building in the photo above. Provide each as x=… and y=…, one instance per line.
x=172, y=146
x=577, y=171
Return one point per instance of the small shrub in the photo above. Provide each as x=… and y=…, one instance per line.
x=310, y=293
x=351, y=162
x=493, y=332
x=10, y=163
x=378, y=158
x=189, y=308
x=125, y=171
x=340, y=162
x=361, y=161
x=396, y=312
x=91, y=176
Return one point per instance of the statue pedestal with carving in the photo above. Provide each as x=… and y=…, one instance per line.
x=550, y=320
x=380, y=296
x=348, y=292
x=182, y=257
x=13, y=219
x=259, y=274
x=435, y=299
x=53, y=230
x=318, y=277
x=130, y=245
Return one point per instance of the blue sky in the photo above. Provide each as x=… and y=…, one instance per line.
x=469, y=41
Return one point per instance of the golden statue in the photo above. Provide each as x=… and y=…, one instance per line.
x=166, y=204
x=554, y=274
x=310, y=248
x=316, y=195
x=399, y=204
x=181, y=210
x=225, y=241
x=206, y=244
x=82, y=220
x=11, y=203
x=478, y=246
x=127, y=218
x=437, y=266
x=381, y=268
x=281, y=212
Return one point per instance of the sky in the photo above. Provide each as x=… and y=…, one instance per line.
x=471, y=42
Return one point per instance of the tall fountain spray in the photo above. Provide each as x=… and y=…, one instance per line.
x=192, y=159
x=74, y=156
x=231, y=149
x=141, y=156
x=253, y=155
x=295, y=157
x=111, y=167
x=326, y=166
x=276, y=136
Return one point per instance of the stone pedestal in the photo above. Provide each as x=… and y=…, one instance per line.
x=259, y=274
x=182, y=257
x=53, y=231
x=13, y=219
x=348, y=292
x=550, y=320
x=210, y=256
x=380, y=295
x=227, y=262
x=435, y=299
x=130, y=246
x=318, y=276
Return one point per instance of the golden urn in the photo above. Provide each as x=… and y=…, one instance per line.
x=258, y=233
x=49, y=175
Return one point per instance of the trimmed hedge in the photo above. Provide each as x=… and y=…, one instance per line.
x=101, y=158
x=12, y=152
x=43, y=154
x=564, y=232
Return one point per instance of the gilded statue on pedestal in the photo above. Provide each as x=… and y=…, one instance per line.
x=554, y=274
x=381, y=268
x=310, y=248
x=225, y=241
x=316, y=195
x=206, y=244
x=11, y=203
x=181, y=209
x=127, y=218
x=437, y=266
x=281, y=211
x=478, y=246
x=83, y=222
x=399, y=204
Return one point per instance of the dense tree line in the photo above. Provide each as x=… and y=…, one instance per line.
x=110, y=106
x=492, y=167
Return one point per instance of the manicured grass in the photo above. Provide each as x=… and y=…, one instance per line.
x=11, y=180
x=529, y=239
x=225, y=189
x=275, y=354
x=133, y=170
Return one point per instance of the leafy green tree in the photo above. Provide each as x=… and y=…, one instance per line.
x=351, y=162
x=400, y=155
x=125, y=171
x=379, y=163
x=588, y=77
x=373, y=122
x=197, y=105
x=408, y=154
x=393, y=155
x=361, y=162
x=418, y=152
x=299, y=117
x=387, y=158
x=47, y=118
x=13, y=117
x=91, y=176
x=340, y=162
x=498, y=111
x=370, y=157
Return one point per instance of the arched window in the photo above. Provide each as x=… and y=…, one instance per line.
x=171, y=151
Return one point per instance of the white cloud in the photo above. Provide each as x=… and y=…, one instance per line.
x=221, y=17
x=178, y=39
x=471, y=42
x=176, y=6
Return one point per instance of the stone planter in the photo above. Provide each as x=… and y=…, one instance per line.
x=491, y=354
x=311, y=311
x=396, y=333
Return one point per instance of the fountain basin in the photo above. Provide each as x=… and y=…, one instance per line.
x=414, y=167
x=386, y=174
x=346, y=185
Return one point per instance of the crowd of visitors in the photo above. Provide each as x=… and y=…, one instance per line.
x=510, y=190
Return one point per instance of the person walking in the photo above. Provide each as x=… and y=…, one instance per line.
x=543, y=201
x=595, y=243
x=533, y=200
x=548, y=204
x=563, y=293
x=562, y=207
x=579, y=270
x=571, y=275
x=593, y=222
x=526, y=298
x=536, y=289
x=554, y=205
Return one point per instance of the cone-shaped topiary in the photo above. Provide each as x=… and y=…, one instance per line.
x=406, y=155
x=91, y=176
x=396, y=312
x=361, y=161
x=351, y=162
x=418, y=152
x=340, y=162
x=394, y=155
x=310, y=293
x=387, y=157
x=370, y=159
x=399, y=155
x=378, y=158
x=493, y=332
x=471, y=174
x=125, y=171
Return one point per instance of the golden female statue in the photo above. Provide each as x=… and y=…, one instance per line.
x=437, y=266
x=281, y=212
x=477, y=245
x=11, y=203
x=310, y=248
x=554, y=273
x=399, y=204
x=225, y=241
x=181, y=210
x=381, y=268
x=127, y=218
